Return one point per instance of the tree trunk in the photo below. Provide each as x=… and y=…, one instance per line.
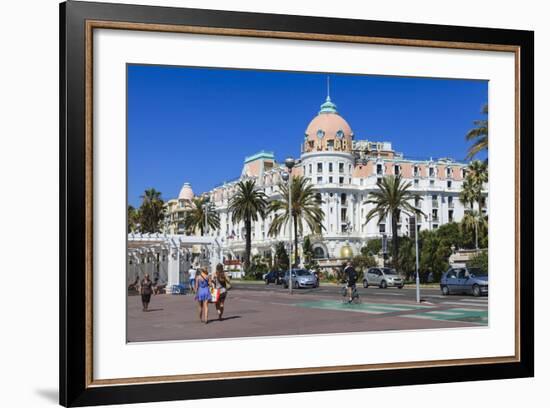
x=248, y=245
x=295, y=240
x=395, y=243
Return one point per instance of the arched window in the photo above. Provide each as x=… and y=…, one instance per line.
x=318, y=253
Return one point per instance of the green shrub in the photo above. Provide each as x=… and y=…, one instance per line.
x=373, y=247
x=481, y=261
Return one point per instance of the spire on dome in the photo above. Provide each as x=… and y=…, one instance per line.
x=328, y=106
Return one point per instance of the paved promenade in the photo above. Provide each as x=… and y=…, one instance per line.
x=260, y=310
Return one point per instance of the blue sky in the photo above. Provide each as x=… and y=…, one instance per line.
x=197, y=124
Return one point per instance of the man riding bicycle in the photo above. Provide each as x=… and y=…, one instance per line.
x=350, y=275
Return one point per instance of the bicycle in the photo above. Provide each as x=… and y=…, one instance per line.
x=354, y=294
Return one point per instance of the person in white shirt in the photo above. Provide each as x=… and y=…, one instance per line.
x=192, y=273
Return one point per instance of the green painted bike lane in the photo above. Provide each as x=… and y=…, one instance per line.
x=410, y=311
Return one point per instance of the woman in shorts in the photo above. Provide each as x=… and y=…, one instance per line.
x=221, y=282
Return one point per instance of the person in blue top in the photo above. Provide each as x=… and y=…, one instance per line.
x=202, y=294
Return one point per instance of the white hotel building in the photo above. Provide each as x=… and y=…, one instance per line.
x=343, y=170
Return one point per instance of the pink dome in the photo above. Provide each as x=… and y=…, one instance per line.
x=328, y=131
x=186, y=193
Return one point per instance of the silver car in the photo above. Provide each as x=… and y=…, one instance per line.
x=465, y=280
x=301, y=278
x=383, y=278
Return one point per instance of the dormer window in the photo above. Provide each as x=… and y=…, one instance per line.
x=320, y=133
x=340, y=134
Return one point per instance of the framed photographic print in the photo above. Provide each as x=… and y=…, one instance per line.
x=256, y=204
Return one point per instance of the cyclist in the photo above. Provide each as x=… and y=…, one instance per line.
x=351, y=277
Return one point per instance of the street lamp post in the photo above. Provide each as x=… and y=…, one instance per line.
x=417, y=267
x=289, y=163
x=415, y=217
x=206, y=207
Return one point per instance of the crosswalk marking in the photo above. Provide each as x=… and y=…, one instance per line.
x=463, y=304
x=475, y=316
x=470, y=310
x=397, y=309
x=370, y=308
x=445, y=313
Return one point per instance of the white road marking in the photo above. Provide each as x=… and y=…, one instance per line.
x=397, y=309
x=475, y=300
x=389, y=294
x=337, y=309
x=465, y=304
x=441, y=312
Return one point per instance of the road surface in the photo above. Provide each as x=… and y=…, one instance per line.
x=254, y=309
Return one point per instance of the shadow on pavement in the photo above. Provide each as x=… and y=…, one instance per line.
x=230, y=318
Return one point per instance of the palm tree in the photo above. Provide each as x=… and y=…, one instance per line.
x=477, y=173
x=246, y=205
x=473, y=220
x=151, y=211
x=469, y=194
x=201, y=215
x=393, y=196
x=133, y=218
x=472, y=187
x=306, y=207
x=480, y=135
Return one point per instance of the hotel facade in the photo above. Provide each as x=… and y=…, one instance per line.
x=343, y=171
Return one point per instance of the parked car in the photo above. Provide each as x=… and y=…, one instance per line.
x=464, y=280
x=301, y=278
x=383, y=278
x=273, y=277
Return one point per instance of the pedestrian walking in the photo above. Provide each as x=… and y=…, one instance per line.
x=146, y=290
x=202, y=294
x=221, y=283
x=192, y=273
